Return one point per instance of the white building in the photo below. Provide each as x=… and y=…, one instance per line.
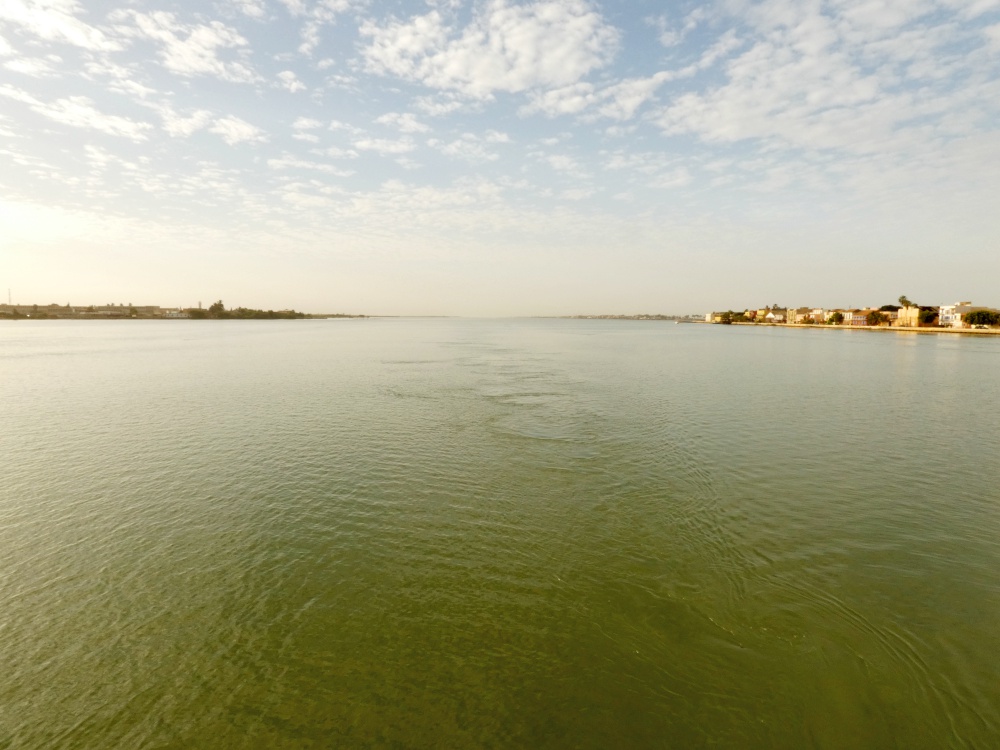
x=951, y=315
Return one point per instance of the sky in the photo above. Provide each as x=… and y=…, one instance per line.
x=496, y=157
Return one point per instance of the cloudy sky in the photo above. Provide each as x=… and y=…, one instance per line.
x=492, y=157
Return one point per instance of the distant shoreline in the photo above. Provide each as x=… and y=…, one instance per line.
x=638, y=316
x=873, y=329
x=119, y=318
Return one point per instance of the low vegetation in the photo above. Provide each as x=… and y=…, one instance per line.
x=982, y=318
x=218, y=311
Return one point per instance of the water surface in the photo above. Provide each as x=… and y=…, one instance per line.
x=461, y=533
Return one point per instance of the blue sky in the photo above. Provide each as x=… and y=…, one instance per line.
x=500, y=157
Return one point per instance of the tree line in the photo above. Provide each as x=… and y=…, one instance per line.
x=218, y=311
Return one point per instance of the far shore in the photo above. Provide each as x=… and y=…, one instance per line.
x=882, y=329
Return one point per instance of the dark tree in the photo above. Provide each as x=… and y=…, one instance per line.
x=982, y=318
x=927, y=316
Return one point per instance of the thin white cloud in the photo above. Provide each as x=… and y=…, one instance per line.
x=339, y=125
x=97, y=157
x=385, y=146
x=290, y=81
x=310, y=38
x=18, y=95
x=316, y=15
x=992, y=34
x=566, y=164
x=507, y=47
x=122, y=79
x=340, y=153
x=442, y=104
x=675, y=179
x=31, y=66
x=301, y=128
x=647, y=163
x=404, y=122
x=565, y=100
x=255, y=9
x=5, y=131
x=852, y=80
x=621, y=100
x=132, y=89
x=295, y=7
x=970, y=9
x=234, y=130
x=182, y=126
x=79, y=112
x=290, y=162
x=408, y=163
x=471, y=147
x=670, y=34
x=191, y=50
x=56, y=21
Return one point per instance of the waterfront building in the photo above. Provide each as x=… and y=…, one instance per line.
x=908, y=316
x=799, y=315
x=951, y=315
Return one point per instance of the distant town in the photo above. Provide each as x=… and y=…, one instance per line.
x=215, y=311
x=906, y=315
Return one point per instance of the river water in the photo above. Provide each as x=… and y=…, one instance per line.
x=496, y=533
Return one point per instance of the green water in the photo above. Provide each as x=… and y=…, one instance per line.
x=460, y=533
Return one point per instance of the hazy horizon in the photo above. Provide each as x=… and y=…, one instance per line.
x=500, y=158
